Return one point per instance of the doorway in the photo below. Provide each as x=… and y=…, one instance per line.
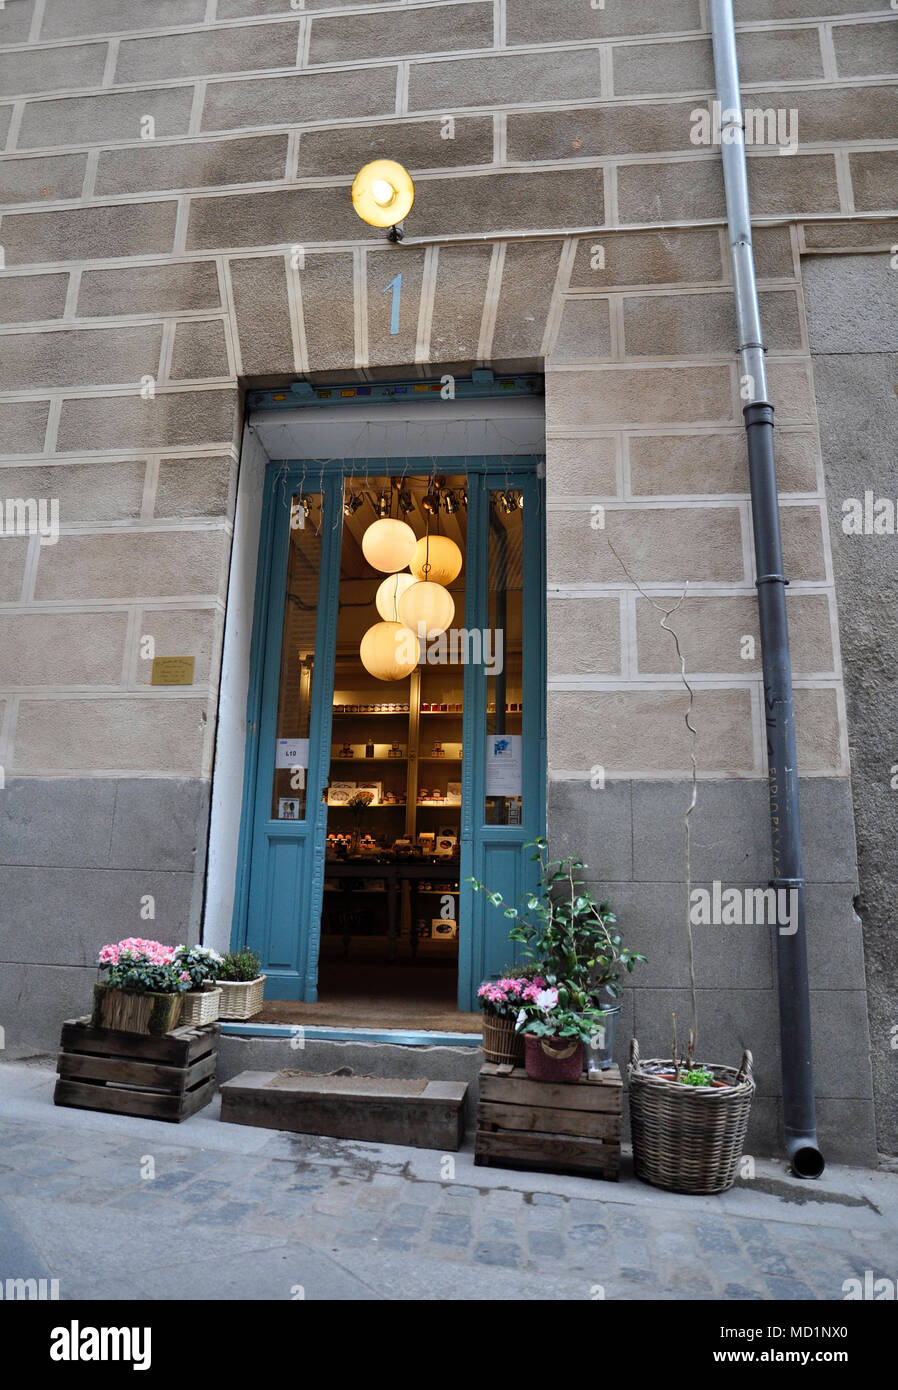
x=373, y=794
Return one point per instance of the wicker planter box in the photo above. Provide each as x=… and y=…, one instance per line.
x=688, y=1138
x=501, y=1044
x=128, y=1011
x=241, y=998
x=201, y=1006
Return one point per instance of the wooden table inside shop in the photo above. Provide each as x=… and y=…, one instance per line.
x=551, y=1126
x=344, y=872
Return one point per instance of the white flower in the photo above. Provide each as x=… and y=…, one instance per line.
x=547, y=999
x=520, y=1019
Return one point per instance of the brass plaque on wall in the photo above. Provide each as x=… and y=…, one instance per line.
x=173, y=670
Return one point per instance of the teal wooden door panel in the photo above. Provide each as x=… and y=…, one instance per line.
x=497, y=855
x=278, y=912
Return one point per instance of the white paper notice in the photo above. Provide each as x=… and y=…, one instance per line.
x=292, y=752
x=503, y=764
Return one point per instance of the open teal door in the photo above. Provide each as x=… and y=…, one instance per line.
x=504, y=769
x=281, y=874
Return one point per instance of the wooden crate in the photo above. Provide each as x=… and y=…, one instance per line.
x=573, y=1127
x=160, y=1078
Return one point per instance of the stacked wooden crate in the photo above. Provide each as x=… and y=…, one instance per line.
x=168, y=1077
x=559, y=1127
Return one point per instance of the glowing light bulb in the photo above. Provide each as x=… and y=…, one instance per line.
x=382, y=192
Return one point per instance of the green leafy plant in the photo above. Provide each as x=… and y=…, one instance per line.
x=562, y=1011
x=569, y=936
x=199, y=963
x=699, y=1076
x=239, y=966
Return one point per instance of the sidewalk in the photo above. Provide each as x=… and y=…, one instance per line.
x=240, y=1213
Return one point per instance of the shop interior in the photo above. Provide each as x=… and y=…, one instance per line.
x=389, y=937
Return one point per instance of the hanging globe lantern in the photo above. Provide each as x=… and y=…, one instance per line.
x=441, y=555
x=389, y=593
x=388, y=545
x=427, y=604
x=389, y=651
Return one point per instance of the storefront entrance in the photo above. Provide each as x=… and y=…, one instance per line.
x=396, y=743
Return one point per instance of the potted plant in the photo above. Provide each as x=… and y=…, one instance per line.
x=688, y=1121
x=500, y=1002
x=143, y=989
x=202, y=997
x=571, y=939
x=241, y=984
x=358, y=805
x=557, y=1023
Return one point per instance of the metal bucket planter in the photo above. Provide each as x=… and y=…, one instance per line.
x=600, y=1052
x=501, y=1044
x=129, y=1011
x=688, y=1138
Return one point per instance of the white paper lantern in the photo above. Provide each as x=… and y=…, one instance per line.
x=389, y=593
x=388, y=545
x=441, y=554
x=389, y=651
x=428, y=604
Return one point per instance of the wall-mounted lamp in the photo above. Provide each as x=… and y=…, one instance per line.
x=382, y=195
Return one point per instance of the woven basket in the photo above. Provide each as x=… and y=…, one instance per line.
x=501, y=1044
x=201, y=1006
x=688, y=1138
x=241, y=998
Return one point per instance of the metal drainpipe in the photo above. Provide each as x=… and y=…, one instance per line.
x=785, y=822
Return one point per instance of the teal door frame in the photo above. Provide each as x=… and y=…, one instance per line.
x=280, y=864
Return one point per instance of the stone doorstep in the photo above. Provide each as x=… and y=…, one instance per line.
x=428, y=1115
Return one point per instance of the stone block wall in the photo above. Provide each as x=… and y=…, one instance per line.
x=176, y=225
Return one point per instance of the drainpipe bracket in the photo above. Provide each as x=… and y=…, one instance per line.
x=772, y=579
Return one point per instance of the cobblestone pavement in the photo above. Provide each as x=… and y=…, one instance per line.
x=234, y=1212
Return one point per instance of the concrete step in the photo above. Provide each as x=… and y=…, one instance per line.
x=384, y=1110
x=321, y=1057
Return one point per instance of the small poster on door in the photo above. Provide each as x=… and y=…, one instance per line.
x=292, y=752
x=288, y=808
x=503, y=764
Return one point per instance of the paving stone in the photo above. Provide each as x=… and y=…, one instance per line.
x=451, y=1230
x=739, y=1292
x=544, y=1245
x=588, y=1235
x=497, y=1253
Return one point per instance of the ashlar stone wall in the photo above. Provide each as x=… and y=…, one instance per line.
x=176, y=225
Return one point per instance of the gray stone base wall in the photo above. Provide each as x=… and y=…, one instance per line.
x=853, y=328
x=80, y=857
x=631, y=836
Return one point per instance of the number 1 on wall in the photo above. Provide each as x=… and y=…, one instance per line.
x=396, y=287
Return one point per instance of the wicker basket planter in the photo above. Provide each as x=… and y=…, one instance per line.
x=553, y=1059
x=201, y=1006
x=501, y=1044
x=130, y=1011
x=241, y=998
x=688, y=1138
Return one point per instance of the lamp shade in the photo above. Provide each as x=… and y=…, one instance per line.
x=382, y=193
x=388, y=545
x=389, y=593
x=429, y=605
x=389, y=651
x=441, y=554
